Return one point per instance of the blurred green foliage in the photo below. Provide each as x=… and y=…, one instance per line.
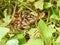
x=48, y=27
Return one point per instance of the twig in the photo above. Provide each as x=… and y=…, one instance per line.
x=14, y=12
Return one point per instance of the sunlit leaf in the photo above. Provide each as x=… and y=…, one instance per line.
x=54, y=16
x=51, y=28
x=7, y=19
x=12, y=42
x=40, y=26
x=31, y=0
x=39, y=4
x=20, y=1
x=45, y=31
x=35, y=41
x=32, y=31
x=58, y=3
x=3, y=32
x=6, y=16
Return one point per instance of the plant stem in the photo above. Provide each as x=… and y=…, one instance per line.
x=29, y=9
x=14, y=12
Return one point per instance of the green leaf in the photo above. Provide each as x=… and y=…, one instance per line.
x=20, y=8
x=21, y=38
x=7, y=19
x=31, y=0
x=58, y=3
x=39, y=4
x=47, y=5
x=1, y=23
x=20, y=1
x=51, y=28
x=57, y=42
x=58, y=29
x=45, y=31
x=32, y=30
x=40, y=26
x=54, y=16
x=3, y=41
x=12, y=42
x=6, y=16
x=35, y=41
x=56, y=11
x=3, y=32
x=5, y=12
